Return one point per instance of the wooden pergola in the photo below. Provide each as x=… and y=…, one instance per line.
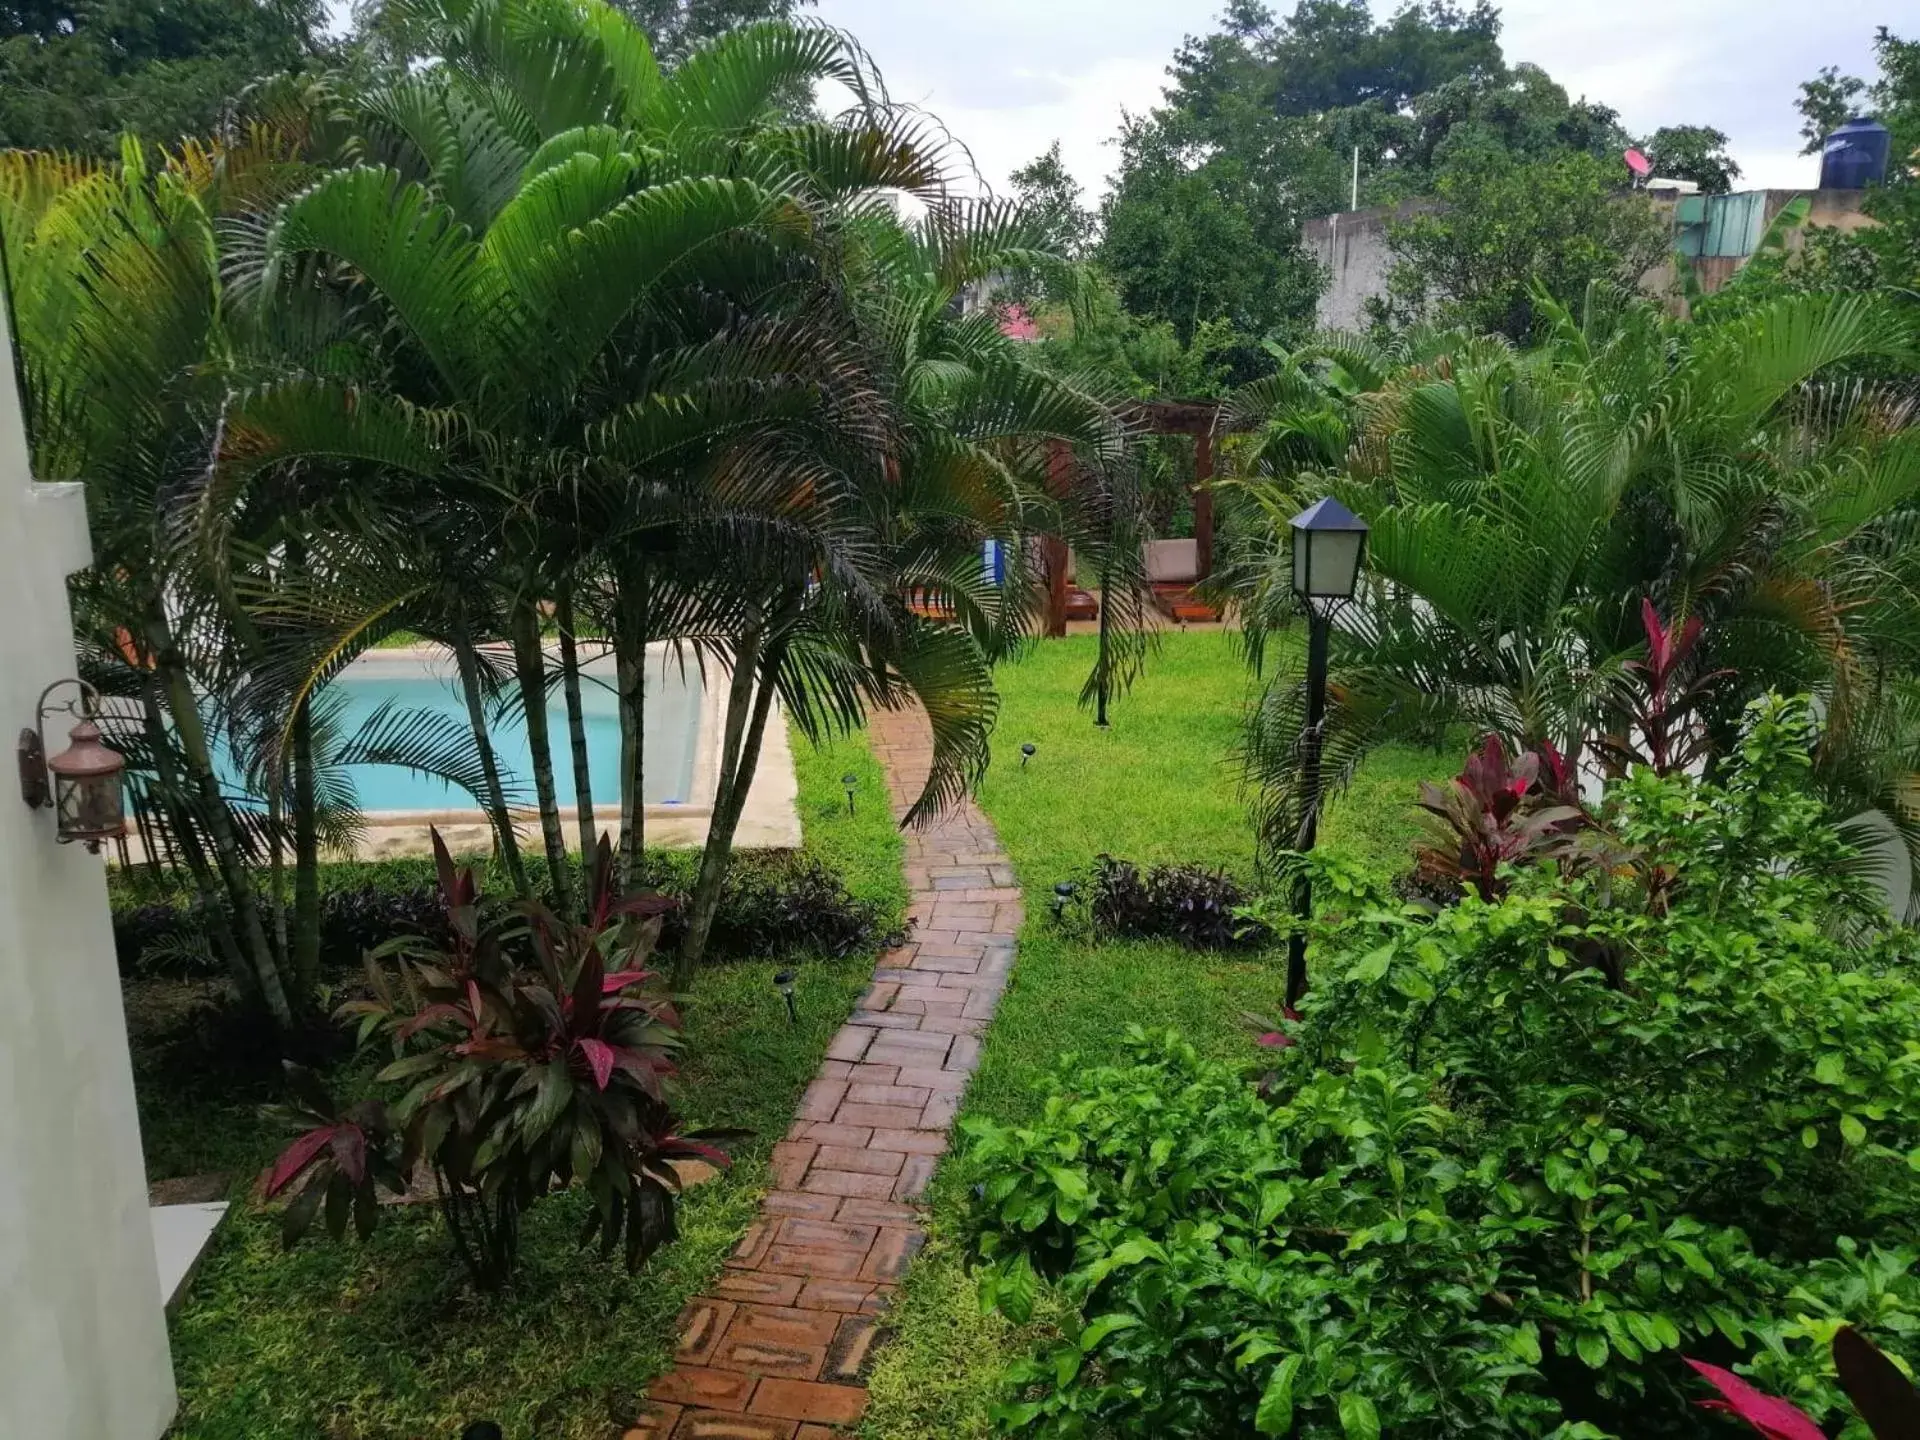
x=1202, y=419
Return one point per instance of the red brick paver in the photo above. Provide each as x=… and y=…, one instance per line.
x=782, y=1346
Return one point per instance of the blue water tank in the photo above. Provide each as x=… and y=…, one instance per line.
x=1855, y=155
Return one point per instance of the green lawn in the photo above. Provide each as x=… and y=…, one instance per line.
x=385, y=1342
x=1160, y=785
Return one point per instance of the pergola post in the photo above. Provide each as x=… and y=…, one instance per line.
x=1203, y=502
x=1053, y=548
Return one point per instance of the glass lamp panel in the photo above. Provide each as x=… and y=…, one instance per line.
x=1302, y=557
x=1334, y=569
x=88, y=807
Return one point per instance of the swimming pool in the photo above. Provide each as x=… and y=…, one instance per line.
x=424, y=678
x=680, y=771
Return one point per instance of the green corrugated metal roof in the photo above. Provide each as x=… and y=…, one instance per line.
x=1724, y=225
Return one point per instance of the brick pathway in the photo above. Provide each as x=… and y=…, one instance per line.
x=780, y=1349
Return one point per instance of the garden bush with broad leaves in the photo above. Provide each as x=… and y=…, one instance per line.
x=1520, y=1161
x=527, y=1057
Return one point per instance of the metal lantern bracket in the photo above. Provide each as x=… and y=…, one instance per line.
x=36, y=780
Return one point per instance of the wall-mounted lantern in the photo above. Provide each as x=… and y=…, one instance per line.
x=81, y=784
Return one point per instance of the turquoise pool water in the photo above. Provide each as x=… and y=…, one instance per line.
x=669, y=750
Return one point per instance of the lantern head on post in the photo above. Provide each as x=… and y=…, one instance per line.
x=1329, y=542
x=81, y=784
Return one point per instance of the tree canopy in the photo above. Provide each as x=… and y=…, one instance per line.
x=1692, y=152
x=1506, y=231
x=1272, y=121
x=76, y=76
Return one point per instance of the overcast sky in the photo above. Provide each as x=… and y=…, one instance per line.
x=1010, y=76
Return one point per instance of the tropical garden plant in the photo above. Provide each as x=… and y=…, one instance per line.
x=527, y=1059
x=532, y=341
x=1493, y=1183
x=702, y=451
x=112, y=271
x=1545, y=521
x=1498, y=812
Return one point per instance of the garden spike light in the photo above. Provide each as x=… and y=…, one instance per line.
x=1063, y=894
x=1026, y=753
x=850, y=782
x=783, y=982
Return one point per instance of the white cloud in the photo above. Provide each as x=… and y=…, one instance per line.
x=1010, y=76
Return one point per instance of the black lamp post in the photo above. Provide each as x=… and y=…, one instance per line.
x=1329, y=543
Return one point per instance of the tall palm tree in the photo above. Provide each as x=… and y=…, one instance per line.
x=110, y=272
x=967, y=428
x=600, y=301
x=129, y=359
x=558, y=227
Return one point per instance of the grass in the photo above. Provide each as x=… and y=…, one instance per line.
x=1158, y=786
x=384, y=1341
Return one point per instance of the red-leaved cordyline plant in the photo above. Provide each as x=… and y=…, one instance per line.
x=534, y=1057
x=1662, y=728
x=1270, y=1036
x=1499, y=811
x=1773, y=1417
x=1884, y=1397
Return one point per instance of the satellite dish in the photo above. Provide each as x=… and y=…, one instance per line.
x=1638, y=164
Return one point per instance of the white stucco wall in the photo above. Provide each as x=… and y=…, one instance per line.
x=83, y=1341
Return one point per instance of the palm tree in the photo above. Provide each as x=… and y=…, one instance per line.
x=557, y=229
x=110, y=273
x=130, y=361
x=962, y=455
x=566, y=329
x=598, y=301
x=1524, y=504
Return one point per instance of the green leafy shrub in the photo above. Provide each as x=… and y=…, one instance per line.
x=774, y=905
x=1520, y=1156
x=784, y=904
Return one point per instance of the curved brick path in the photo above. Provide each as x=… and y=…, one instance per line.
x=780, y=1349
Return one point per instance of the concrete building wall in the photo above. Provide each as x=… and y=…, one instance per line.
x=1351, y=247
x=83, y=1343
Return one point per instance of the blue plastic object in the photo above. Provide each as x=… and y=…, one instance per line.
x=1855, y=155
